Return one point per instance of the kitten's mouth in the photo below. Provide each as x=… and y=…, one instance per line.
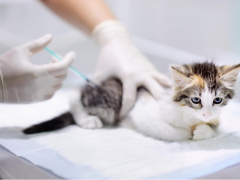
x=207, y=115
x=206, y=119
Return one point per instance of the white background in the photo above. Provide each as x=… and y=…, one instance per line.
x=208, y=28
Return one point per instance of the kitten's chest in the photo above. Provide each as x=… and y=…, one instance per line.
x=179, y=117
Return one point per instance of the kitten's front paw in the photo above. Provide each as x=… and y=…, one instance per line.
x=203, y=132
x=92, y=122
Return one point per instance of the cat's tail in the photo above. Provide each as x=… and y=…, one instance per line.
x=59, y=122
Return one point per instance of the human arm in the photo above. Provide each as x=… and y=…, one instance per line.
x=118, y=56
x=83, y=14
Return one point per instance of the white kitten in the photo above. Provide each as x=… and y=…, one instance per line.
x=192, y=110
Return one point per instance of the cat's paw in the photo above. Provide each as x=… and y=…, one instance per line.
x=202, y=132
x=91, y=122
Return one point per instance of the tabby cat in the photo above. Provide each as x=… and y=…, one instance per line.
x=189, y=111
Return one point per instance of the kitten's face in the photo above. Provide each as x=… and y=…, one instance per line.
x=204, y=88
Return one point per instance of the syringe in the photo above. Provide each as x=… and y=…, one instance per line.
x=75, y=71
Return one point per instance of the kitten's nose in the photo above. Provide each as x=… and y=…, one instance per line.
x=207, y=115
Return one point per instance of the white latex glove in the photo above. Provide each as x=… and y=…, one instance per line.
x=121, y=59
x=23, y=82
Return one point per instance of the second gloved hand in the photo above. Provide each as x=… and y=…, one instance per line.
x=23, y=82
x=121, y=59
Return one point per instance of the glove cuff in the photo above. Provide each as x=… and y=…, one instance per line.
x=110, y=31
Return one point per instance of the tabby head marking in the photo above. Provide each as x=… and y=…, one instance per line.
x=204, y=87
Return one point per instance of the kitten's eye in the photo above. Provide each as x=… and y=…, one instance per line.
x=217, y=100
x=196, y=100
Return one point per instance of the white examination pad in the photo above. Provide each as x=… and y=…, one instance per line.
x=115, y=152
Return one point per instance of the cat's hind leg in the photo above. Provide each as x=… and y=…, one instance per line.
x=148, y=118
x=80, y=115
x=89, y=122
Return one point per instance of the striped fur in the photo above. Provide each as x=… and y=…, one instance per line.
x=191, y=80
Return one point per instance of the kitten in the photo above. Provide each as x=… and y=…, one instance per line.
x=190, y=111
x=90, y=108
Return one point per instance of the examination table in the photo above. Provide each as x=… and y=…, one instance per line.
x=75, y=153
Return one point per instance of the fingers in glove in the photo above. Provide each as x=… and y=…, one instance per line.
x=99, y=78
x=54, y=60
x=129, y=98
x=154, y=88
x=60, y=68
x=38, y=44
x=51, y=91
x=49, y=96
x=55, y=80
x=162, y=79
x=61, y=78
x=55, y=88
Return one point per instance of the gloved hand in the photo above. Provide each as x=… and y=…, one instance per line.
x=23, y=82
x=121, y=59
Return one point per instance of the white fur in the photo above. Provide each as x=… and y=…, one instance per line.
x=203, y=132
x=162, y=119
x=208, y=111
x=80, y=115
x=167, y=120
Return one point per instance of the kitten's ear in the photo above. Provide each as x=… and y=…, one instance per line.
x=229, y=75
x=180, y=80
